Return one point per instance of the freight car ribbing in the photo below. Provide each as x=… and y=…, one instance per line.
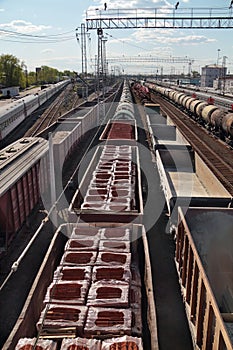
x=22, y=182
x=204, y=264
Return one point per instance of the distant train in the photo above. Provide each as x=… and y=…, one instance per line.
x=125, y=108
x=219, y=120
x=12, y=114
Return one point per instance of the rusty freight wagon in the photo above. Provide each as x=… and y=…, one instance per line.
x=24, y=176
x=204, y=261
x=120, y=131
x=74, y=295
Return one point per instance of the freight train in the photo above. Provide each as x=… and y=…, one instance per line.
x=87, y=293
x=89, y=286
x=12, y=114
x=219, y=120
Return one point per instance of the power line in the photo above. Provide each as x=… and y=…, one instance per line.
x=129, y=44
x=8, y=35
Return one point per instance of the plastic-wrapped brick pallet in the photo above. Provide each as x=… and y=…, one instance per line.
x=116, y=233
x=85, y=232
x=113, y=259
x=58, y=318
x=104, y=293
x=122, y=343
x=41, y=344
x=109, y=273
x=82, y=244
x=114, y=246
x=79, y=258
x=81, y=344
x=73, y=273
x=67, y=292
x=105, y=322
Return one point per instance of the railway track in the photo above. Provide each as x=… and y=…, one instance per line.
x=51, y=114
x=215, y=153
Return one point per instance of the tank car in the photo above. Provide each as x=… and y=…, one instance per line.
x=227, y=125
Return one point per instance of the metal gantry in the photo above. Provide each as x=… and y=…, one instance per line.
x=130, y=59
x=219, y=18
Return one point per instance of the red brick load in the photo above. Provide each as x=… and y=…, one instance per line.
x=113, y=294
x=111, y=259
x=81, y=344
x=105, y=322
x=114, y=246
x=120, y=130
x=122, y=343
x=79, y=258
x=85, y=232
x=82, y=244
x=62, y=319
x=116, y=233
x=73, y=273
x=35, y=344
x=108, y=273
x=67, y=292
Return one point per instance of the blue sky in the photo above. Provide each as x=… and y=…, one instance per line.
x=57, y=20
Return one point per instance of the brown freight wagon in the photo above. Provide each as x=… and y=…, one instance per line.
x=24, y=175
x=204, y=261
x=31, y=324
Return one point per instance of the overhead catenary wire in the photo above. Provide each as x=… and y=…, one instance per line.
x=8, y=35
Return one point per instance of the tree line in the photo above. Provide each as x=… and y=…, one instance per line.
x=13, y=72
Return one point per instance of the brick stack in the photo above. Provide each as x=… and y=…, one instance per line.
x=112, y=187
x=120, y=130
x=95, y=293
x=41, y=344
x=122, y=343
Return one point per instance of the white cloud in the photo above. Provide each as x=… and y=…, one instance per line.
x=21, y=26
x=167, y=37
x=47, y=51
x=2, y=10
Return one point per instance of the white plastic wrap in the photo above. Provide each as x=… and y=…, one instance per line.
x=35, y=344
x=81, y=343
x=83, y=258
x=116, y=233
x=57, y=316
x=113, y=259
x=123, y=343
x=73, y=273
x=85, y=232
x=108, y=322
x=111, y=245
x=82, y=244
x=67, y=292
x=109, y=273
x=113, y=294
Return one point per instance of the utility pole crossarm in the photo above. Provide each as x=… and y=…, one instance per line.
x=220, y=18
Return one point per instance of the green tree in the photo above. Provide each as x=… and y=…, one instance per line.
x=11, y=72
x=48, y=75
